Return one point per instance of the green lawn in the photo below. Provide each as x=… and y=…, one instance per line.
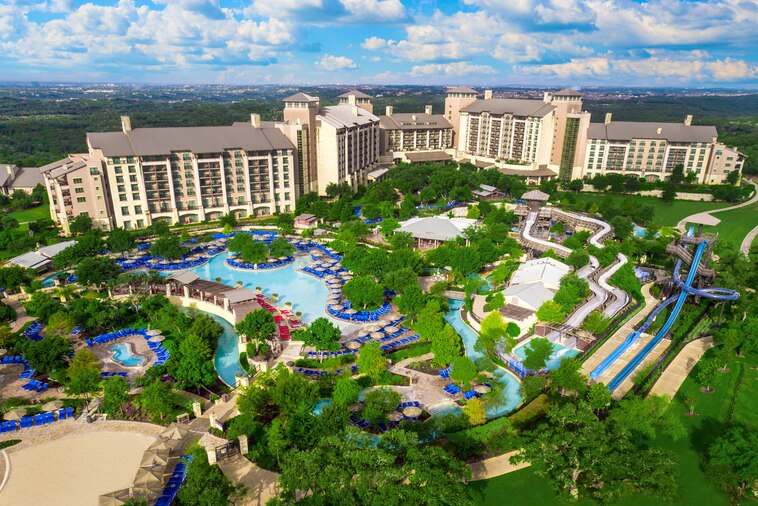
x=31, y=214
x=735, y=224
x=525, y=488
x=667, y=215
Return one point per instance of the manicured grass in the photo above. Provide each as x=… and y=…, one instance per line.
x=739, y=387
x=31, y=214
x=735, y=224
x=665, y=214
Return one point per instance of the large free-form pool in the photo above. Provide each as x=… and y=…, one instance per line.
x=122, y=354
x=559, y=353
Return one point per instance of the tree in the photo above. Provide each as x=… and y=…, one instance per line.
x=156, y=400
x=228, y=220
x=494, y=331
x=475, y=411
x=160, y=228
x=596, y=323
x=46, y=355
x=622, y=227
x=322, y=335
x=430, y=320
x=83, y=374
x=407, y=208
x=640, y=418
x=364, y=292
x=389, y=225
x=537, y=352
x=371, y=361
x=42, y=305
x=691, y=402
x=446, y=346
x=293, y=393
x=401, y=240
x=733, y=177
x=582, y=456
x=195, y=367
x=206, y=485
x=558, y=228
x=81, y=224
x=115, y=395
x=348, y=469
x=473, y=213
x=13, y=277
x=257, y=325
x=706, y=373
x=412, y=301
x=576, y=185
x=598, y=397
x=578, y=258
x=730, y=340
x=551, y=312
x=567, y=378
x=677, y=174
x=733, y=461
x=60, y=324
x=281, y=247
x=378, y=403
x=463, y=371
x=668, y=193
x=345, y=392
x=120, y=240
x=95, y=271
x=168, y=247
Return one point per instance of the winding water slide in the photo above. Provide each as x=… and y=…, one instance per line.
x=601, y=290
x=720, y=294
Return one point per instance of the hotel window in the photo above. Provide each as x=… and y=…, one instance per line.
x=135, y=188
x=132, y=170
x=79, y=190
x=118, y=170
x=77, y=180
x=125, y=211
x=119, y=179
x=135, y=196
x=81, y=199
x=137, y=209
x=140, y=223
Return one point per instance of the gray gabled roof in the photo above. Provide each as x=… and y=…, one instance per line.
x=406, y=121
x=27, y=177
x=436, y=228
x=54, y=249
x=185, y=278
x=514, y=106
x=341, y=116
x=535, y=195
x=164, y=141
x=300, y=97
x=672, y=132
x=356, y=93
x=55, y=165
x=533, y=294
x=461, y=89
x=30, y=260
x=567, y=93
x=239, y=295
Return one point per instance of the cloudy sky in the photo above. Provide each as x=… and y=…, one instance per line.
x=613, y=42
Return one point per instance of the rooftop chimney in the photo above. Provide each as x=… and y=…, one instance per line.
x=487, y=94
x=688, y=120
x=428, y=110
x=389, y=110
x=255, y=120
x=659, y=130
x=547, y=97
x=608, y=117
x=126, y=124
x=413, y=117
x=351, y=99
x=355, y=109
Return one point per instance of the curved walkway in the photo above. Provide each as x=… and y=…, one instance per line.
x=676, y=372
x=682, y=225
x=495, y=466
x=748, y=240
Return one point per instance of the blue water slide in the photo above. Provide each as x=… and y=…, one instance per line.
x=632, y=365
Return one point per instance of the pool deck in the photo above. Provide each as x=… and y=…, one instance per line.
x=138, y=347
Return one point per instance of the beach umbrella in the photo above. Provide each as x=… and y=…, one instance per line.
x=392, y=329
x=353, y=345
x=149, y=475
x=345, y=274
x=270, y=259
x=336, y=307
x=116, y=498
x=148, y=491
x=377, y=335
x=52, y=406
x=488, y=374
x=395, y=416
x=154, y=332
x=319, y=269
x=152, y=458
x=282, y=258
x=351, y=311
x=482, y=389
x=157, y=339
x=15, y=414
x=163, y=444
x=373, y=327
x=174, y=431
x=412, y=411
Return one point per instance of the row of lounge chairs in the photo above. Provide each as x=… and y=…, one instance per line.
x=260, y=267
x=316, y=373
x=36, y=420
x=445, y=373
x=177, y=266
x=402, y=342
x=112, y=336
x=35, y=386
x=409, y=404
x=284, y=332
x=27, y=373
x=330, y=354
x=175, y=482
x=471, y=394
x=105, y=374
x=162, y=353
x=77, y=330
x=452, y=389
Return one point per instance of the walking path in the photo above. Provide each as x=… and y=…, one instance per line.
x=682, y=225
x=21, y=316
x=675, y=374
x=261, y=484
x=426, y=388
x=748, y=240
x=495, y=466
x=621, y=334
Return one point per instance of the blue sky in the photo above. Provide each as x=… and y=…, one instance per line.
x=476, y=42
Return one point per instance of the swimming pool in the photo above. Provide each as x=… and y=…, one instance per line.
x=122, y=353
x=511, y=392
x=559, y=353
x=307, y=294
x=320, y=405
x=227, y=359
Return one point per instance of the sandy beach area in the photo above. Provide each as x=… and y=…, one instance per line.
x=74, y=470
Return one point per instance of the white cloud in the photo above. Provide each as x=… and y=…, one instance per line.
x=330, y=12
x=374, y=43
x=374, y=10
x=331, y=62
x=452, y=69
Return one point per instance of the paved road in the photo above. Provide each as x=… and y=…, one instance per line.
x=682, y=225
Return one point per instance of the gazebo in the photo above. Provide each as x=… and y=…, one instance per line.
x=535, y=199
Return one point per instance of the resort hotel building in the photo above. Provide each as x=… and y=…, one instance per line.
x=132, y=177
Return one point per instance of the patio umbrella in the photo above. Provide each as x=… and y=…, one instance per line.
x=373, y=328
x=353, y=345
x=270, y=259
x=377, y=335
x=152, y=475
x=174, y=431
x=345, y=274
x=52, y=406
x=319, y=269
x=482, y=389
x=163, y=444
x=488, y=374
x=152, y=458
x=336, y=307
x=148, y=491
x=154, y=332
x=392, y=329
x=157, y=339
x=351, y=311
x=412, y=411
x=395, y=416
x=15, y=414
x=116, y=498
x=283, y=258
